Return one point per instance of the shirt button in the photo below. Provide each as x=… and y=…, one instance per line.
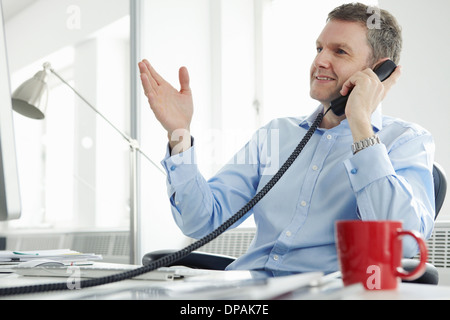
x=354, y=171
x=172, y=168
x=288, y=234
x=303, y=203
x=329, y=137
x=276, y=257
x=315, y=168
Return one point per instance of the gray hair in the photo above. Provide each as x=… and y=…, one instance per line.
x=384, y=34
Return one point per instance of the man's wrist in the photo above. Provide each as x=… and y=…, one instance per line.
x=179, y=141
x=365, y=143
x=361, y=127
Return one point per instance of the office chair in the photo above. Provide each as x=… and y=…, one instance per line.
x=210, y=261
x=440, y=187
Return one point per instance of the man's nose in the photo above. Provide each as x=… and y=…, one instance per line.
x=322, y=60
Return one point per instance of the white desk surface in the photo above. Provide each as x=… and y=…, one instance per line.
x=180, y=289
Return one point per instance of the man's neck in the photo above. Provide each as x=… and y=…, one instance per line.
x=330, y=120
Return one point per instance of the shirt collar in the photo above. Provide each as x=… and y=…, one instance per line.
x=377, y=118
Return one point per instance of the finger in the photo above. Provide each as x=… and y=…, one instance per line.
x=149, y=92
x=348, y=86
x=356, y=78
x=370, y=73
x=148, y=89
x=159, y=80
x=144, y=70
x=184, y=80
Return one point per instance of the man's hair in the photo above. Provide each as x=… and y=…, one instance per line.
x=384, y=34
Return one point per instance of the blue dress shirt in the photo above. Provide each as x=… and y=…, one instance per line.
x=296, y=219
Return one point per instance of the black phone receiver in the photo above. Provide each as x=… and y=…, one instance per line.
x=383, y=71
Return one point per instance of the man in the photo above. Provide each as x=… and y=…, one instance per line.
x=391, y=179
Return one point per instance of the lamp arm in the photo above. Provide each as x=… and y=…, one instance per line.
x=132, y=142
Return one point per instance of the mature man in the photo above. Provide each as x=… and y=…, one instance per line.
x=389, y=179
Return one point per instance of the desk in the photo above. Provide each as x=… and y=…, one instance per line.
x=296, y=287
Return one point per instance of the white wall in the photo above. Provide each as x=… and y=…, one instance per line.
x=46, y=26
x=422, y=95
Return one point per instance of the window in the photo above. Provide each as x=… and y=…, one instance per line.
x=74, y=168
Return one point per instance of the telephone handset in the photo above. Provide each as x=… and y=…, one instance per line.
x=383, y=71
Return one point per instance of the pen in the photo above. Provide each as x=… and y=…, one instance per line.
x=25, y=254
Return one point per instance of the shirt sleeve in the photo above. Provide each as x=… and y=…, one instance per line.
x=199, y=206
x=396, y=184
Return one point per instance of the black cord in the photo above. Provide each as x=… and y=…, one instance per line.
x=174, y=257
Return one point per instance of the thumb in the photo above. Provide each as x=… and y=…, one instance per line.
x=184, y=79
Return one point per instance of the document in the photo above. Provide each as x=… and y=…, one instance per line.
x=61, y=255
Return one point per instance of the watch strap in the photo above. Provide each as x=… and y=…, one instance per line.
x=365, y=143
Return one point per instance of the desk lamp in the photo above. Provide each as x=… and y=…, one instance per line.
x=30, y=99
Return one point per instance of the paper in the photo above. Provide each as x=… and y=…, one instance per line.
x=56, y=255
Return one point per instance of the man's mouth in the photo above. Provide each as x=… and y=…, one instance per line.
x=322, y=78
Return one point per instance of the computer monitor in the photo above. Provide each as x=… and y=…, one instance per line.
x=10, y=205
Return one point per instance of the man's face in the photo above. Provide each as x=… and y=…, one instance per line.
x=342, y=50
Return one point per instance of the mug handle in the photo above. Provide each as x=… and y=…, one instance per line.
x=420, y=269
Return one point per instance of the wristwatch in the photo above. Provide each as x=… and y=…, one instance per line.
x=360, y=145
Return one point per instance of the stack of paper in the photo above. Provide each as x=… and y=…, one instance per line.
x=61, y=255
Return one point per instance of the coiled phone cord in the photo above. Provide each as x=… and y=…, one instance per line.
x=172, y=258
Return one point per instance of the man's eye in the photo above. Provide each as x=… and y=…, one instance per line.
x=319, y=50
x=340, y=51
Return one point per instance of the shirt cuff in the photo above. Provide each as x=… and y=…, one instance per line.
x=181, y=167
x=368, y=165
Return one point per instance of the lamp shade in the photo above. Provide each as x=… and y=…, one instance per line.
x=30, y=99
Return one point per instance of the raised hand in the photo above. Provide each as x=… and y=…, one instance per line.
x=367, y=93
x=173, y=109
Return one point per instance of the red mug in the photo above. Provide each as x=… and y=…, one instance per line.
x=370, y=253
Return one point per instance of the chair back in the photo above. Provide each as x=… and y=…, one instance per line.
x=440, y=186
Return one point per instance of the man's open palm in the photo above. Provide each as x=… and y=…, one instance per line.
x=172, y=108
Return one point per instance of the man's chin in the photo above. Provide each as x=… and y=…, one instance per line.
x=324, y=99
